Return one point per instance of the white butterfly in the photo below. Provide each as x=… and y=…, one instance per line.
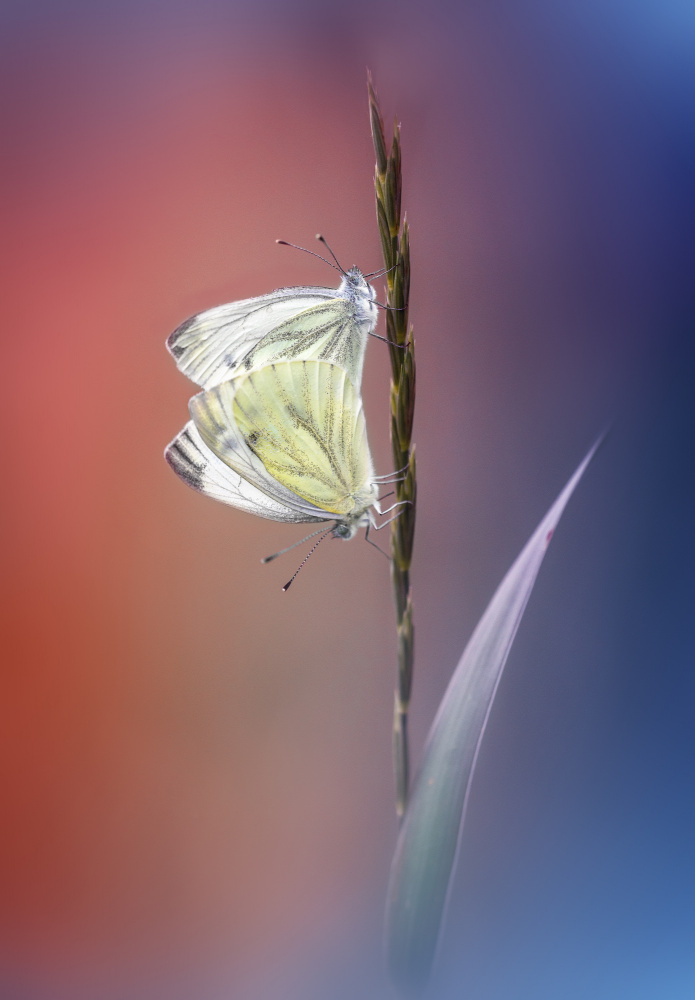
x=288, y=442
x=280, y=430
x=327, y=324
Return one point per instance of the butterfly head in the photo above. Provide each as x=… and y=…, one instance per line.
x=357, y=283
x=356, y=289
x=346, y=529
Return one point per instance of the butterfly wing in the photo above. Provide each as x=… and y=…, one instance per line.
x=209, y=346
x=329, y=331
x=192, y=461
x=213, y=415
x=304, y=421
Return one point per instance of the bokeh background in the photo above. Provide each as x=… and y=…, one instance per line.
x=196, y=778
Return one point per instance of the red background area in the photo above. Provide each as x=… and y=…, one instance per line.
x=196, y=786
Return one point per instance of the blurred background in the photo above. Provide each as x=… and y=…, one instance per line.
x=197, y=796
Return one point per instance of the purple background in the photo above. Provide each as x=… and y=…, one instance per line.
x=197, y=792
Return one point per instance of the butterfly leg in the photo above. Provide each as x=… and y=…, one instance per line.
x=377, y=547
x=378, y=527
x=391, y=475
x=398, y=503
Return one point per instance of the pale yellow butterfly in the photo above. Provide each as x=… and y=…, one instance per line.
x=287, y=442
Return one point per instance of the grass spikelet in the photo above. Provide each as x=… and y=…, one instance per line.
x=395, y=245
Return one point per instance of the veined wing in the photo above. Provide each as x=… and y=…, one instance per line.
x=329, y=331
x=208, y=347
x=192, y=461
x=213, y=415
x=304, y=421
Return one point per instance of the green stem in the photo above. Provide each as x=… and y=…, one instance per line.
x=395, y=245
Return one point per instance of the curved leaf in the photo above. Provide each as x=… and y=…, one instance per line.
x=427, y=847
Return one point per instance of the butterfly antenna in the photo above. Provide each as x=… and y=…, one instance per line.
x=311, y=550
x=322, y=239
x=268, y=559
x=284, y=243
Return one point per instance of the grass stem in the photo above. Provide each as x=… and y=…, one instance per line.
x=395, y=245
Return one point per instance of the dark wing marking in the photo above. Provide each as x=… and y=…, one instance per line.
x=201, y=469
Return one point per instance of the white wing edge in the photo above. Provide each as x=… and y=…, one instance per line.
x=208, y=346
x=202, y=470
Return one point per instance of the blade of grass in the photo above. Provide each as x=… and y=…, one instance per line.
x=427, y=847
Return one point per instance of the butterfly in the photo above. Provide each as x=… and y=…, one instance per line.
x=288, y=442
x=279, y=430
x=327, y=324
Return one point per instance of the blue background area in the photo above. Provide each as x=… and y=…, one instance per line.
x=549, y=154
